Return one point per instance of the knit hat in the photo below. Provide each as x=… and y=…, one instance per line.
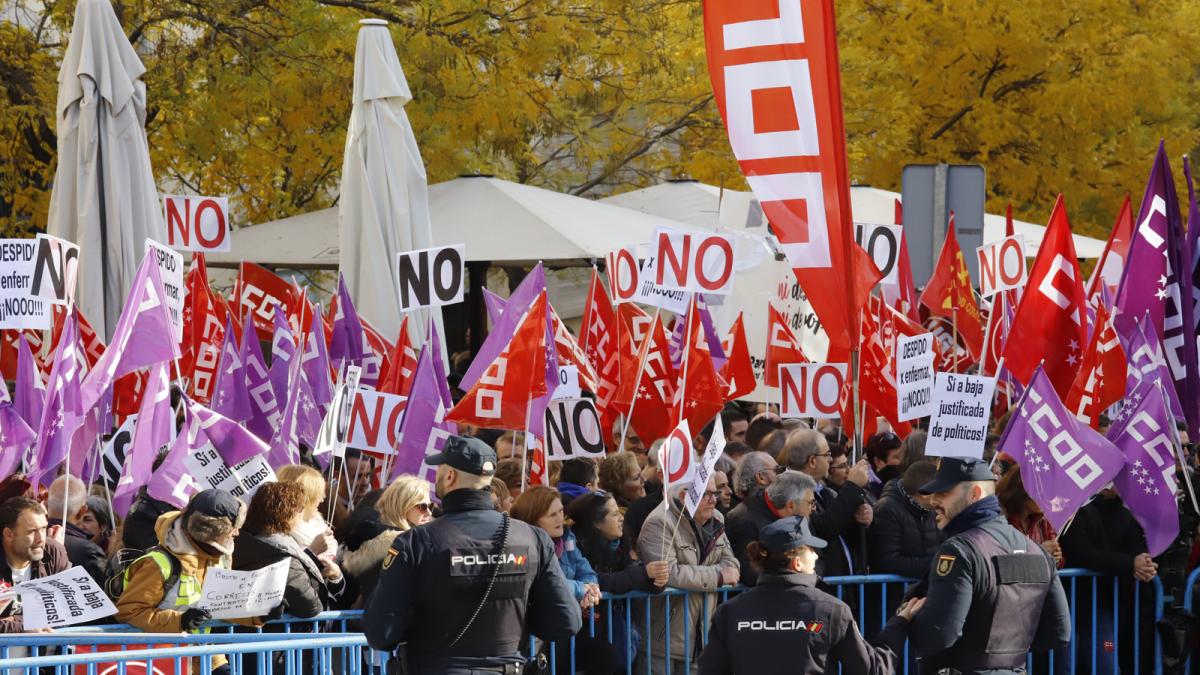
x=212, y=516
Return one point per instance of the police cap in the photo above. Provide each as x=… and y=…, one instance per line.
x=955, y=470
x=787, y=534
x=466, y=454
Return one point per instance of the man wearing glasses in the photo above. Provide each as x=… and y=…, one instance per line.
x=792, y=494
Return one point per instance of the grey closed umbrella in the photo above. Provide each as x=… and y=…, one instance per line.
x=104, y=198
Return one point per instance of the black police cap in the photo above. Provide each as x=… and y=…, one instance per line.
x=955, y=470
x=466, y=454
x=787, y=534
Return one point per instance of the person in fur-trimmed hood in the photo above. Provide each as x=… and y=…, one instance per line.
x=199, y=537
x=405, y=504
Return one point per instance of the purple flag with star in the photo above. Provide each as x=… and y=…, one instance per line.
x=63, y=413
x=265, y=409
x=423, y=429
x=346, y=347
x=1063, y=461
x=230, y=397
x=285, y=442
x=153, y=431
x=1189, y=281
x=495, y=306
x=502, y=331
x=283, y=348
x=1147, y=482
x=172, y=482
x=1146, y=363
x=315, y=360
x=142, y=338
x=30, y=395
x=708, y=330
x=15, y=438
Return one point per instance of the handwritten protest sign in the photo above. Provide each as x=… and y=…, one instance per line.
x=170, y=271
x=17, y=309
x=914, y=376
x=233, y=594
x=712, y=452
x=62, y=599
x=961, y=407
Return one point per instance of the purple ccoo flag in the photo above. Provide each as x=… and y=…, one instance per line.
x=1063, y=461
x=30, y=395
x=15, y=438
x=143, y=336
x=230, y=397
x=1146, y=363
x=423, y=429
x=316, y=361
x=283, y=348
x=265, y=411
x=1147, y=483
x=495, y=306
x=1189, y=280
x=346, y=347
x=502, y=332
x=153, y=430
x=285, y=442
x=708, y=332
x=63, y=413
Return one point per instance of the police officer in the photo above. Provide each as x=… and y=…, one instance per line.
x=461, y=590
x=992, y=595
x=785, y=625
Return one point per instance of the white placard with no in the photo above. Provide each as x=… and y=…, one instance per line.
x=431, y=277
x=811, y=389
x=64, y=599
x=961, y=411
x=234, y=594
x=170, y=271
x=1002, y=265
x=375, y=419
x=18, y=310
x=914, y=376
x=55, y=270
x=197, y=223
x=568, y=383
x=573, y=429
x=698, y=262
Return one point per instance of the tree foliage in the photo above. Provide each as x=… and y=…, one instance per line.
x=250, y=98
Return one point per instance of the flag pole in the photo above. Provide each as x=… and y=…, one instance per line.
x=525, y=445
x=687, y=345
x=637, y=382
x=1187, y=479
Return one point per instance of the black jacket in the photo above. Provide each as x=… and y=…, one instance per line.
x=138, y=529
x=83, y=552
x=616, y=570
x=307, y=593
x=785, y=625
x=903, y=536
x=742, y=526
x=1104, y=538
x=834, y=522
x=639, y=511
x=435, y=576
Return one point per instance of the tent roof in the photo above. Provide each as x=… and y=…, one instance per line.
x=699, y=204
x=498, y=220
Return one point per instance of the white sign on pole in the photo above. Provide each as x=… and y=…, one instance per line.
x=170, y=271
x=914, y=376
x=1002, y=265
x=336, y=425
x=234, y=594
x=811, y=389
x=648, y=293
x=375, y=421
x=209, y=470
x=568, y=383
x=716, y=446
x=961, y=409
x=198, y=223
x=55, y=269
x=698, y=262
x=882, y=243
x=572, y=429
x=624, y=274
x=67, y=598
x=17, y=309
x=431, y=277
x=677, y=459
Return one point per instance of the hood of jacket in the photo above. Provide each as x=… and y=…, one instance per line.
x=369, y=555
x=171, y=536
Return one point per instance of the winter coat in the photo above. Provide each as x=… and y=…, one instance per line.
x=1104, y=538
x=833, y=520
x=53, y=561
x=903, y=536
x=694, y=567
x=82, y=551
x=575, y=567
x=617, y=571
x=307, y=593
x=742, y=526
x=139, y=529
x=363, y=562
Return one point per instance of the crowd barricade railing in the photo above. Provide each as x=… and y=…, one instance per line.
x=1106, y=614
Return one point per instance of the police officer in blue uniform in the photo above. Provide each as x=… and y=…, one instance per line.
x=462, y=592
x=992, y=594
x=785, y=625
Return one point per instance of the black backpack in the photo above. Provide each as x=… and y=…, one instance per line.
x=119, y=563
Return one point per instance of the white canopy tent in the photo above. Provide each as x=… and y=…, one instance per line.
x=707, y=206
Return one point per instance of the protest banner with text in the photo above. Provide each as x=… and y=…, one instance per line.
x=18, y=310
x=914, y=376
x=573, y=429
x=431, y=277
x=961, y=409
x=811, y=389
x=198, y=223
x=234, y=594
x=170, y=271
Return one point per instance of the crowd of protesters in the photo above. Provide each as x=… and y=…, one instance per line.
x=614, y=528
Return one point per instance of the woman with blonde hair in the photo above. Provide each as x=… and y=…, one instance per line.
x=404, y=505
x=311, y=531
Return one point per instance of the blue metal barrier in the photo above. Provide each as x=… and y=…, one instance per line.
x=330, y=643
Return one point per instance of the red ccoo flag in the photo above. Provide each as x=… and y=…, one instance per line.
x=782, y=346
x=700, y=394
x=948, y=294
x=1112, y=262
x=500, y=398
x=401, y=365
x=1050, y=323
x=739, y=369
x=1101, y=378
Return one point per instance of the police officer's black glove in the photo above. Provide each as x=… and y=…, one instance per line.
x=193, y=618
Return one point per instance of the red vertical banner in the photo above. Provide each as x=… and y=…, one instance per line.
x=774, y=71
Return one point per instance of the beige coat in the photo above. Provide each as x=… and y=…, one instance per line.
x=688, y=573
